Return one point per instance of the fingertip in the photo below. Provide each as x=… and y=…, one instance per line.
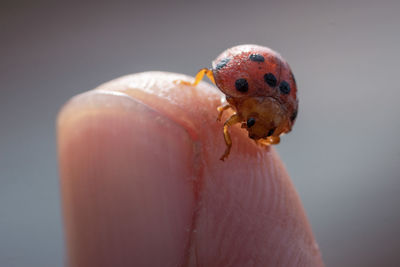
x=143, y=150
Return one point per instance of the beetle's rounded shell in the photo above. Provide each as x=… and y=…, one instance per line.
x=256, y=68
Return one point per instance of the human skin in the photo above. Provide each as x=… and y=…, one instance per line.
x=142, y=183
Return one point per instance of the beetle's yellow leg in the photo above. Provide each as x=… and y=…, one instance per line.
x=210, y=75
x=271, y=140
x=199, y=77
x=221, y=110
x=231, y=121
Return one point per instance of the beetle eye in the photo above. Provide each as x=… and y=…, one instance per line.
x=251, y=122
x=270, y=132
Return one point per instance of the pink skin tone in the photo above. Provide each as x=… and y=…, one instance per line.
x=142, y=183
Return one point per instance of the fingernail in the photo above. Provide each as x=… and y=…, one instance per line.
x=126, y=182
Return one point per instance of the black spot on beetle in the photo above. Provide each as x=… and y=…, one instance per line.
x=242, y=85
x=256, y=58
x=270, y=79
x=222, y=63
x=250, y=122
x=294, y=115
x=284, y=87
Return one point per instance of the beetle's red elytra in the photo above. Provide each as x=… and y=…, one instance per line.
x=260, y=87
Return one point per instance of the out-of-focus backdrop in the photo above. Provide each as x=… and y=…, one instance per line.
x=344, y=152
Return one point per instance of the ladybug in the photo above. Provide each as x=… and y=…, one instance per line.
x=260, y=87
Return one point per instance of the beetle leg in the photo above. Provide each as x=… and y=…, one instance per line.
x=235, y=118
x=199, y=77
x=274, y=140
x=221, y=110
x=270, y=140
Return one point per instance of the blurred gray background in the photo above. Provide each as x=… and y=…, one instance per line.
x=344, y=152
